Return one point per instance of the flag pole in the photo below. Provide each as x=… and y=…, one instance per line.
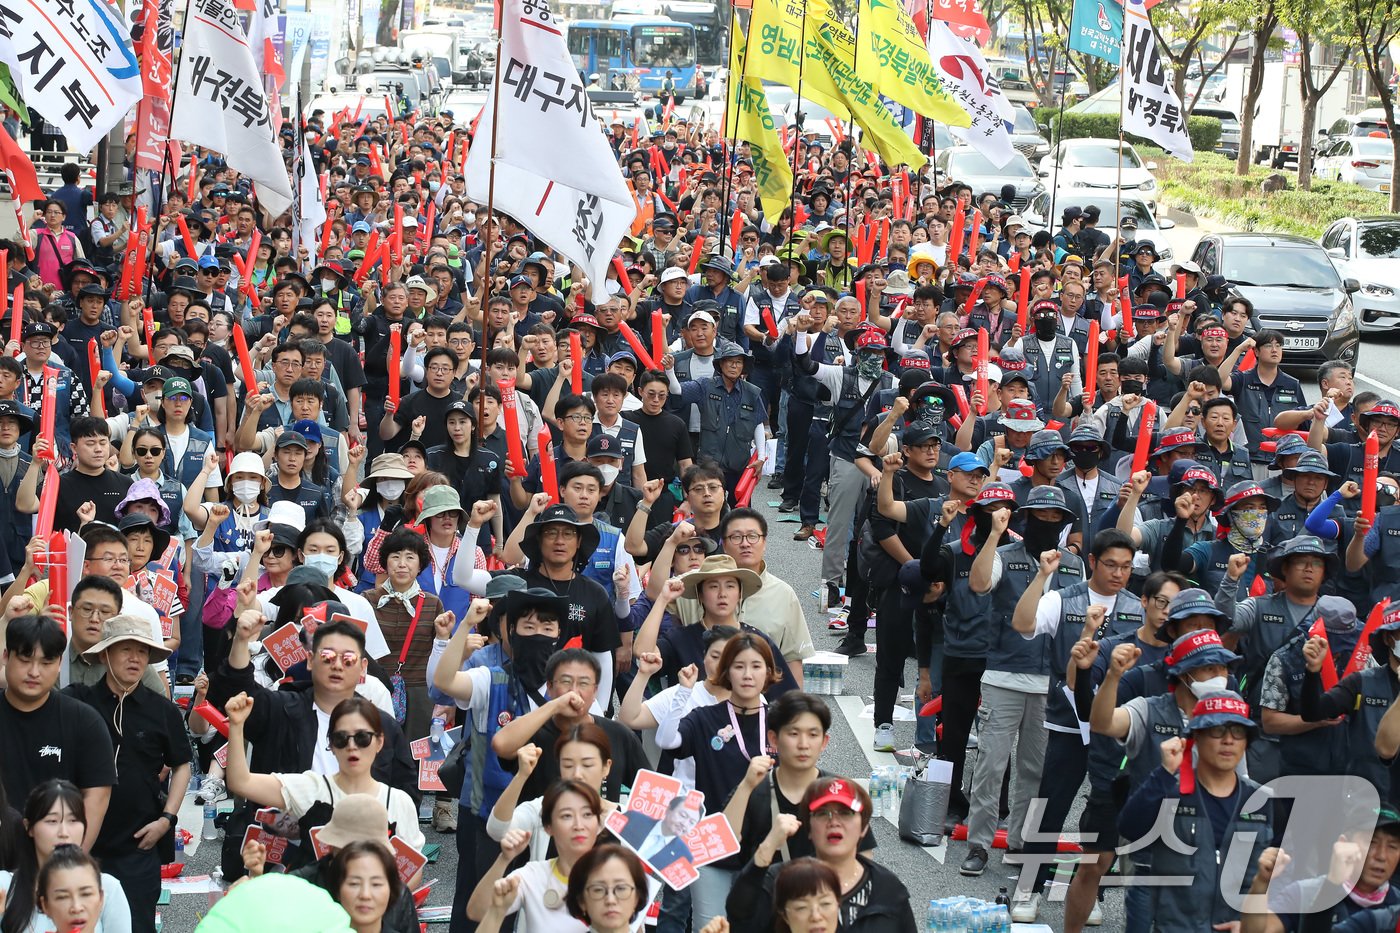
x=1059, y=127
x=490, y=208
x=797, y=135
x=730, y=90
x=1122, y=104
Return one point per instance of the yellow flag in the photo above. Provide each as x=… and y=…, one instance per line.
x=778, y=35
x=747, y=117
x=882, y=132
x=895, y=59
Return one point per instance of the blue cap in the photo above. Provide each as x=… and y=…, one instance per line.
x=362, y=226
x=308, y=429
x=625, y=356
x=968, y=463
x=520, y=280
x=1044, y=443
x=1195, y=650
x=208, y=262
x=1194, y=602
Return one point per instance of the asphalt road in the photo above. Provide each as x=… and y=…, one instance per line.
x=927, y=872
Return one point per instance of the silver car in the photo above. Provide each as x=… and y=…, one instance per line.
x=1368, y=249
x=965, y=164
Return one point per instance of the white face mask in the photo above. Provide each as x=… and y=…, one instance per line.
x=390, y=489
x=327, y=285
x=326, y=563
x=152, y=398
x=609, y=474
x=246, y=490
x=469, y=219
x=1206, y=687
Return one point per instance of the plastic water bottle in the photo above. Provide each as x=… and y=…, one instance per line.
x=877, y=795
x=216, y=885
x=179, y=848
x=210, y=831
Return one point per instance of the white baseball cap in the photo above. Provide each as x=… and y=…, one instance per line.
x=673, y=273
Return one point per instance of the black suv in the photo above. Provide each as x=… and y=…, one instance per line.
x=1294, y=288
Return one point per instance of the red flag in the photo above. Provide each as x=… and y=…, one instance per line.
x=23, y=179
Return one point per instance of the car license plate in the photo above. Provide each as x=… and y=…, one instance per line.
x=1301, y=343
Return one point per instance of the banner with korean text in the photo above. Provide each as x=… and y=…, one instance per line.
x=72, y=61
x=555, y=172
x=220, y=102
x=1152, y=110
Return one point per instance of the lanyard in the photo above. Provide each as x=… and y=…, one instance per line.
x=739, y=735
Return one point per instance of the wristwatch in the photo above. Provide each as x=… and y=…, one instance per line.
x=172, y=817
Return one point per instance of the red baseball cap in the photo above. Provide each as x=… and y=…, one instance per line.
x=839, y=791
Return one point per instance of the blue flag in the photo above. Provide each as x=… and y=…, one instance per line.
x=1096, y=28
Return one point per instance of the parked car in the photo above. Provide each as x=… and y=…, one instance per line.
x=1295, y=289
x=1229, y=143
x=1043, y=213
x=1364, y=123
x=1094, y=164
x=967, y=165
x=1356, y=160
x=1368, y=249
x=1026, y=135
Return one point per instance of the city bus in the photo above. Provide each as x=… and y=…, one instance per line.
x=635, y=54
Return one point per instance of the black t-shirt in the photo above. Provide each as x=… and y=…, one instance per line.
x=74, y=488
x=475, y=477
x=719, y=770
x=347, y=364
x=657, y=536
x=64, y=738
x=152, y=737
x=590, y=611
x=628, y=757
x=433, y=409
x=667, y=441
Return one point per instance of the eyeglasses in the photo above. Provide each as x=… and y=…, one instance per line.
x=683, y=549
x=1234, y=730
x=579, y=418
x=715, y=488
x=745, y=537
x=361, y=738
x=831, y=814
x=115, y=560
x=1161, y=602
x=347, y=658
x=1193, y=409
x=600, y=892
x=290, y=364
x=149, y=451
x=89, y=611
x=440, y=369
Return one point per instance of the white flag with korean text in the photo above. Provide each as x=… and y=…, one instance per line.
x=220, y=102
x=73, y=62
x=968, y=79
x=555, y=173
x=1152, y=110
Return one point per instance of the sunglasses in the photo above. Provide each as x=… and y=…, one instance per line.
x=149, y=451
x=683, y=549
x=346, y=658
x=361, y=738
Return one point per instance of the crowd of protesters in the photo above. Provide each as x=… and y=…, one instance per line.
x=1074, y=486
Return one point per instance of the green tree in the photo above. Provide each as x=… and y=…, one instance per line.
x=1318, y=26
x=1261, y=29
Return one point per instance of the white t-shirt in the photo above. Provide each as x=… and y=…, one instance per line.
x=534, y=917
x=300, y=792
x=1048, y=613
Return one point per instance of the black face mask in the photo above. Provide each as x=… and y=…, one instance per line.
x=1044, y=328
x=1041, y=536
x=529, y=657
x=1131, y=388
x=1086, y=460
x=981, y=524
